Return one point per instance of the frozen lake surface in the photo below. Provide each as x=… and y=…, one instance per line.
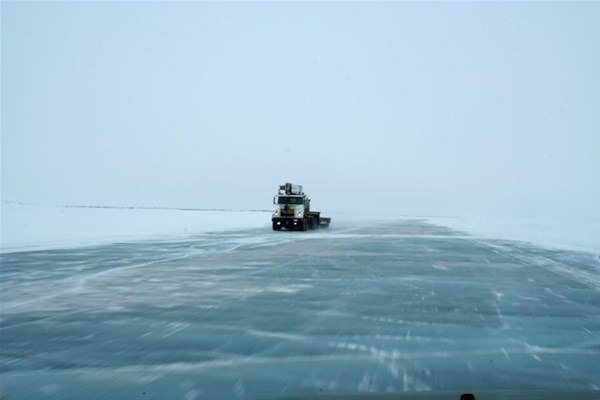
x=403, y=306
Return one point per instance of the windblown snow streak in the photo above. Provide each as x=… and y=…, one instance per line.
x=257, y=314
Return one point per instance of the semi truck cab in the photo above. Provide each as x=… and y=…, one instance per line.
x=293, y=212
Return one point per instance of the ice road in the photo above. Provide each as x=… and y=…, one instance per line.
x=404, y=306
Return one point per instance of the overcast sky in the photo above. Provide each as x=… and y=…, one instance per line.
x=427, y=108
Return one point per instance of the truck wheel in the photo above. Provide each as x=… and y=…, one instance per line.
x=303, y=225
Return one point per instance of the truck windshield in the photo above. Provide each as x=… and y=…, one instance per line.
x=289, y=200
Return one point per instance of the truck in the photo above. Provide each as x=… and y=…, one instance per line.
x=293, y=211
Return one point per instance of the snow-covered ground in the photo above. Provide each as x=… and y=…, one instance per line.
x=31, y=227
x=561, y=234
x=401, y=306
x=214, y=304
x=34, y=227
